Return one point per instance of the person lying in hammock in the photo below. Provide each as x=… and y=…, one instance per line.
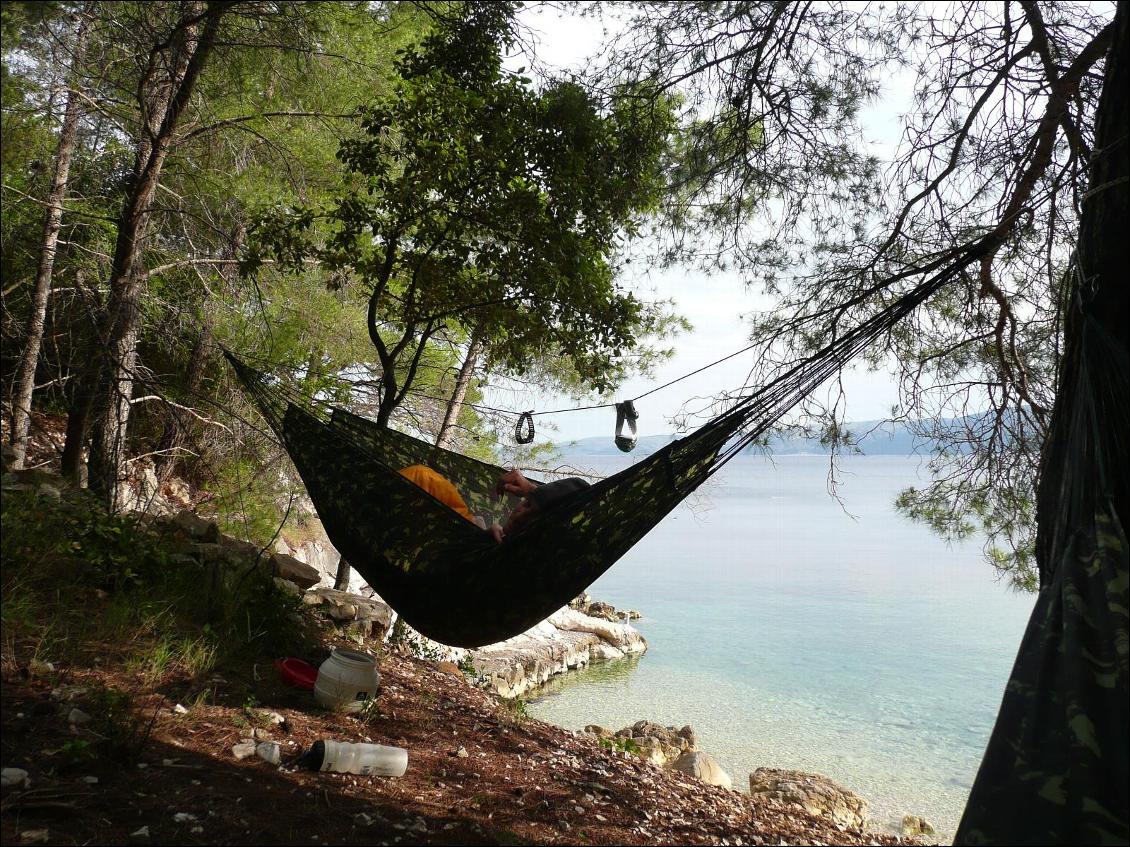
x=535, y=498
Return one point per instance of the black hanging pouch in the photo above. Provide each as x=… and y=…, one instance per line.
x=626, y=412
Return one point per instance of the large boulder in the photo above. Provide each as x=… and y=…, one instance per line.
x=362, y=616
x=701, y=765
x=567, y=639
x=290, y=568
x=814, y=793
x=660, y=745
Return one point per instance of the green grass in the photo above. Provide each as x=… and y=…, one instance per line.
x=79, y=583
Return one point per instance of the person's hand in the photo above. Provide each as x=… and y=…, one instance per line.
x=512, y=482
x=496, y=533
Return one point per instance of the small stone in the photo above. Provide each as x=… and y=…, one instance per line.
x=914, y=826
x=243, y=750
x=269, y=752
x=78, y=717
x=362, y=819
x=180, y=709
x=35, y=836
x=89, y=780
x=38, y=667
x=462, y=753
x=601, y=818
x=197, y=830
x=140, y=834
x=183, y=817
x=276, y=719
x=11, y=777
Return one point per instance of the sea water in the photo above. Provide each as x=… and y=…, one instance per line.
x=795, y=631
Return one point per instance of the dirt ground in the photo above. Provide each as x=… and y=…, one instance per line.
x=521, y=780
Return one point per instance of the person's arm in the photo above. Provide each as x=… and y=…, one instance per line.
x=512, y=482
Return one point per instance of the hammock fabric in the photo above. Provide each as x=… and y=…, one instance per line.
x=447, y=578
x=1055, y=770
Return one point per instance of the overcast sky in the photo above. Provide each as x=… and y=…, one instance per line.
x=714, y=304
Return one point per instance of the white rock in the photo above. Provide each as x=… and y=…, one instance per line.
x=462, y=753
x=140, y=833
x=89, y=780
x=702, y=766
x=11, y=777
x=183, y=817
x=35, y=836
x=243, y=750
x=269, y=751
x=180, y=710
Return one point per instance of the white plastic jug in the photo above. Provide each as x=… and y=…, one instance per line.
x=347, y=680
x=363, y=759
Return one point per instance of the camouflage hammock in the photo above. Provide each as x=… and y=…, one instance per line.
x=450, y=580
x=1055, y=771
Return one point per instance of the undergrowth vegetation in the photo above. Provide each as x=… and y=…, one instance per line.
x=80, y=584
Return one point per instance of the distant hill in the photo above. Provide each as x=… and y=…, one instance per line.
x=874, y=438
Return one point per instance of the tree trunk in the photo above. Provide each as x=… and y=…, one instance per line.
x=462, y=381
x=24, y=385
x=111, y=376
x=341, y=580
x=176, y=434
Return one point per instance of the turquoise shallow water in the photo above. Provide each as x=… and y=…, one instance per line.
x=791, y=634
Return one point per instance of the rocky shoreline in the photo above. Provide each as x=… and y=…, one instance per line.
x=575, y=636
x=587, y=631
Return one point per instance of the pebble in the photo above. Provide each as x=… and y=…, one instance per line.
x=362, y=819
x=11, y=777
x=180, y=709
x=462, y=753
x=89, y=780
x=37, y=667
x=35, y=836
x=140, y=834
x=183, y=817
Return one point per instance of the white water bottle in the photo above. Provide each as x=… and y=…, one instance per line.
x=361, y=759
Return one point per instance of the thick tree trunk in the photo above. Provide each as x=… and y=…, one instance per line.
x=110, y=379
x=176, y=435
x=24, y=386
x=341, y=580
x=455, y=404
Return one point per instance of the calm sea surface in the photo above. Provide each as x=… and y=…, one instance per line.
x=791, y=634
